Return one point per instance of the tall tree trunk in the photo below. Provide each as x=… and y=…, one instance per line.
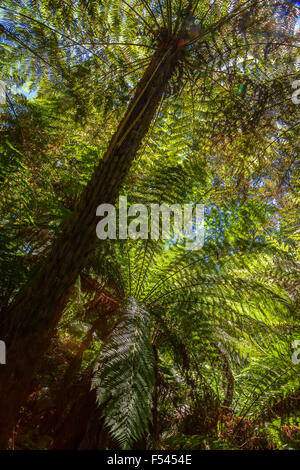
x=31, y=322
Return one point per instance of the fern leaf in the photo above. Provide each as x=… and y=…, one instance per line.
x=125, y=378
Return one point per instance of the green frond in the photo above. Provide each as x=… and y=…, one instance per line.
x=125, y=378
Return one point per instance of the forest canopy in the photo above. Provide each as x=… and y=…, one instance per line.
x=141, y=343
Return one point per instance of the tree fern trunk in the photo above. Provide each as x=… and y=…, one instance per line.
x=30, y=323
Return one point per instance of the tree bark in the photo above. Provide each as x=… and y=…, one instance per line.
x=30, y=323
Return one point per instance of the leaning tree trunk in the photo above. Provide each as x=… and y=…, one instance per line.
x=31, y=322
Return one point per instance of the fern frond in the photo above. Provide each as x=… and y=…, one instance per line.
x=125, y=378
